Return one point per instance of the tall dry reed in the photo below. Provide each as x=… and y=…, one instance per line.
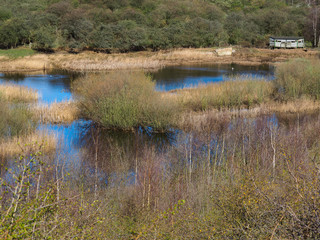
x=26, y=144
x=298, y=78
x=16, y=93
x=235, y=93
x=56, y=112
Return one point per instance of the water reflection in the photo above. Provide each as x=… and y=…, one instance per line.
x=53, y=86
x=90, y=152
x=176, y=77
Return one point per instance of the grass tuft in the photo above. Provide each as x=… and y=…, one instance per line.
x=16, y=93
x=235, y=93
x=57, y=112
x=298, y=78
x=26, y=144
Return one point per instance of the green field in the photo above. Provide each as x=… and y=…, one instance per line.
x=17, y=53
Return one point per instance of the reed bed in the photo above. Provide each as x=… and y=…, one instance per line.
x=57, y=112
x=26, y=144
x=15, y=93
x=91, y=61
x=236, y=93
x=298, y=78
x=193, y=120
x=100, y=63
x=17, y=53
x=29, y=63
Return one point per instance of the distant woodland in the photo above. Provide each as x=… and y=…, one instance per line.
x=134, y=25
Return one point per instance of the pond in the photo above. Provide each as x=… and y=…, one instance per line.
x=176, y=77
x=76, y=140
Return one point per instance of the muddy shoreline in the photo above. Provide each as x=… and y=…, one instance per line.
x=91, y=61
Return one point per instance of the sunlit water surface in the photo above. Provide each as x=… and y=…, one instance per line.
x=55, y=86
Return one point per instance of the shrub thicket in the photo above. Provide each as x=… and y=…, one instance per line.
x=247, y=180
x=131, y=25
x=124, y=100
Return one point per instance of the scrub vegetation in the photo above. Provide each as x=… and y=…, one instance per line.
x=298, y=78
x=132, y=25
x=18, y=123
x=233, y=179
x=128, y=100
x=124, y=100
x=225, y=177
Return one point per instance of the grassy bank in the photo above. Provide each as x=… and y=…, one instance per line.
x=17, y=53
x=91, y=61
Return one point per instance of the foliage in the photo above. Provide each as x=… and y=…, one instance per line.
x=29, y=203
x=132, y=25
x=124, y=100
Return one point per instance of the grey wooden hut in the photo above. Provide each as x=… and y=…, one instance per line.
x=286, y=42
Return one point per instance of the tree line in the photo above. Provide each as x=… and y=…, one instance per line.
x=133, y=25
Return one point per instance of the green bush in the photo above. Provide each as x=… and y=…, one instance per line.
x=124, y=100
x=131, y=25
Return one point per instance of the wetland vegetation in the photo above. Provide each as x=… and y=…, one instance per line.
x=214, y=168
x=113, y=158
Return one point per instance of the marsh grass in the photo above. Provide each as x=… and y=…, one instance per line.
x=124, y=100
x=298, y=78
x=56, y=112
x=234, y=93
x=15, y=120
x=17, y=131
x=16, y=93
x=88, y=61
x=26, y=144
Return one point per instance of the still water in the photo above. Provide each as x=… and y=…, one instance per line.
x=177, y=77
x=55, y=86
